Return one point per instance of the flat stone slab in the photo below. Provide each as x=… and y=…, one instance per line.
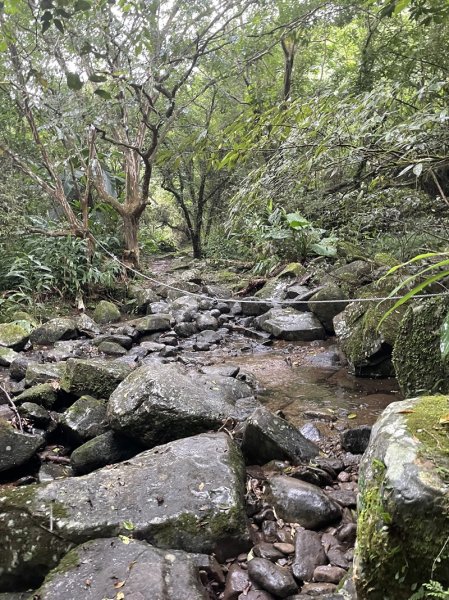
x=97, y=378
x=289, y=324
x=188, y=495
x=103, y=568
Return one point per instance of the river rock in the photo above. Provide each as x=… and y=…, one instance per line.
x=334, y=302
x=7, y=356
x=162, y=402
x=37, y=373
x=352, y=275
x=329, y=574
x=289, y=324
x=106, y=312
x=104, y=449
x=85, y=419
x=356, y=440
x=37, y=415
x=98, y=378
x=152, y=323
x=296, y=501
x=206, y=322
x=237, y=581
x=87, y=326
x=44, y=394
x=134, y=567
x=16, y=448
x=142, y=297
x=54, y=330
x=269, y=437
x=111, y=348
x=14, y=336
x=309, y=554
x=403, y=521
x=276, y=580
x=188, y=495
x=122, y=340
x=184, y=308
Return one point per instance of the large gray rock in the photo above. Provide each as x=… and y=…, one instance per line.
x=131, y=567
x=152, y=323
x=13, y=335
x=98, y=378
x=268, y=437
x=403, y=525
x=188, y=495
x=87, y=326
x=54, y=330
x=142, y=297
x=44, y=394
x=300, y=502
x=162, y=402
x=289, y=324
x=16, y=448
x=184, y=308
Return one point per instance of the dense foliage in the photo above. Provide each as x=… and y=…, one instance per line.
x=265, y=130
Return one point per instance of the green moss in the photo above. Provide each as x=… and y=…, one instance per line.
x=424, y=424
x=380, y=557
x=417, y=358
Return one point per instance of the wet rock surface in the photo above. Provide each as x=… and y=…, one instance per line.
x=104, y=567
x=182, y=369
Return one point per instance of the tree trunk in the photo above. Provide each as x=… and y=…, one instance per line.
x=131, y=252
x=195, y=238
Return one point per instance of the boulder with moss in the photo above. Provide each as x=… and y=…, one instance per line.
x=106, y=312
x=43, y=394
x=142, y=571
x=290, y=324
x=85, y=419
x=366, y=339
x=186, y=495
x=97, y=378
x=14, y=335
x=417, y=358
x=403, y=526
x=37, y=373
x=54, y=330
x=7, y=356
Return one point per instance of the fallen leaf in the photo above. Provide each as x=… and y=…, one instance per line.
x=125, y=539
x=406, y=411
x=120, y=596
x=119, y=584
x=352, y=416
x=201, y=486
x=444, y=420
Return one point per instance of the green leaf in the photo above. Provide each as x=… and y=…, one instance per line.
x=444, y=337
x=296, y=221
x=97, y=78
x=103, y=94
x=128, y=525
x=73, y=81
x=82, y=5
x=324, y=248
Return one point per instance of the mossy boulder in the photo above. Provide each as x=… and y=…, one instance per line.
x=54, y=330
x=418, y=362
x=403, y=524
x=44, y=394
x=186, y=495
x=13, y=335
x=106, y=312
x=152, y=323
x=142, y=571
x=97, y=378
x=353, y=275
x=16, y=448
x=364, y=338
x=7, y=356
